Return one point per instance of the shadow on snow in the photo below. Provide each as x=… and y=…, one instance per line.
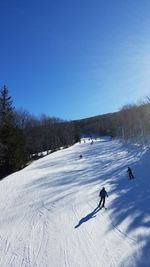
x=89, y=216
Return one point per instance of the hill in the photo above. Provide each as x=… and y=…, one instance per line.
x=49, y=215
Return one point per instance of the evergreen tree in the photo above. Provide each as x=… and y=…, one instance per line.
x=12, y=156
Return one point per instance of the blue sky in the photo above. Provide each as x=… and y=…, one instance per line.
x=74, y=59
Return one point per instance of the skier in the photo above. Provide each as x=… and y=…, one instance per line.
x=81, y=156
x=102, y=194
x=131, y=176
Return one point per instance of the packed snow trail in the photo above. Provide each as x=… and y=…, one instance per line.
x=49, y=214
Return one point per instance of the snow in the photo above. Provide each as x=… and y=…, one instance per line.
x=49, y=214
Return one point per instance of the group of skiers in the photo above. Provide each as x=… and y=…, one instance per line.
x=103, y=192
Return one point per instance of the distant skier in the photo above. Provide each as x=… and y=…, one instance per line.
x=81, y=156
x=131, y=176
x=102, y=194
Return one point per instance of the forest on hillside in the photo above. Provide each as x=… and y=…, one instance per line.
x=24, y=137
x=132, y=122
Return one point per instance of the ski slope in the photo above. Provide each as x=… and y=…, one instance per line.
x=49, y=215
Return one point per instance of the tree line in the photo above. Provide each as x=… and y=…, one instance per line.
x=23, y=136
x=132, y=122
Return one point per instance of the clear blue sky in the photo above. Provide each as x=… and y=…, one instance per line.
x=74, y=59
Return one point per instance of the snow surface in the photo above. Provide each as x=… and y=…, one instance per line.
x=49, y=215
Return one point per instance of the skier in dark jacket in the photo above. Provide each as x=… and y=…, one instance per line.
x=131, y=176
x=102, y=194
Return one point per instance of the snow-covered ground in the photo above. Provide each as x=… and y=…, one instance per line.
x=49, y=215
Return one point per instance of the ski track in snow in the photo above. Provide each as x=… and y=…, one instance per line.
x=49, y=215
